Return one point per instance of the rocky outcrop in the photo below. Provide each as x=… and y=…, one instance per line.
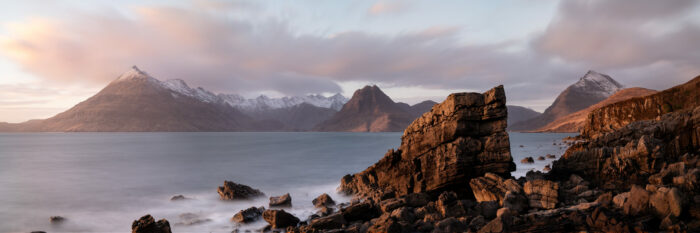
x=543, y=194
x=280, y=218
x=616, y=116
x=281, y=201
x=248, y=215
x=147, y=224
x=461, y=138
x=492, y=187
x=323, y=200
x=234, y=191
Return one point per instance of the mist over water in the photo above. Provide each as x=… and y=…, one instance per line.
x=101, y=182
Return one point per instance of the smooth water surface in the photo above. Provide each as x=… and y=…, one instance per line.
x=101, y=182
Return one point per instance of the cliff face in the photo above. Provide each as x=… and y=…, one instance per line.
x=461, y=138
x=620, y=114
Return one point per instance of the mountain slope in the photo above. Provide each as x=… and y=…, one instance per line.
x=369, y=110
x=138, y=102
x=592, y=88
x=574, y=122
x=517, y=114
x=300, y=117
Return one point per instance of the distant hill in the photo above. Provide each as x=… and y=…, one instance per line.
x=370, y=110
x=517, y=114
x=590, y=89
x=574, y=122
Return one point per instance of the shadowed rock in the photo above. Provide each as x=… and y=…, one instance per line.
x=233, y=191
x=248, y=215
x=323, y=200
x=280, y=218
x=281, y=201
x=147, y=224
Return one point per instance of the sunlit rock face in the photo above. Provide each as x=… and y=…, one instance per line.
x=459, y=139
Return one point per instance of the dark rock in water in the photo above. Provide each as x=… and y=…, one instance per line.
x=248, y=215
x=56, y=219
x=233, y=191
x=284, y=200
x=461, y=138
x=325, y=211
x=542, y=194
x=280, y=219
x=147, y=224
x=547, y=168
x=38, y=232
x=540, y=158
x=551, y=156
x=527, y=160
x=178, y=198
x=323, y=200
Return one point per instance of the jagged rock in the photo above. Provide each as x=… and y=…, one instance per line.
x=147, y=224
x=492, y=187
x=547, y=168
x=527, y=160
x=233, y=191
x=334, y=221
x=540, y=158
x=404, y=214
x=450, y=225
x=284, y=200
x=542, y=194
x=551, y=156
x=620, y=199
x=248, y=215
x=56, y=219
x=488, y=209
x=280, y=218
x=361, y=211
x=448, y=205
x=515, y=201
x=461, y=138
x=477, y=223
x=325, y=211
x=323, y=200
x=666, y=202
x=637, y=202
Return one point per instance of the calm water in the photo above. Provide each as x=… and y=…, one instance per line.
x=103, y=181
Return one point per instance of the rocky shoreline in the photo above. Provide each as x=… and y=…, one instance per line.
x=452, y=174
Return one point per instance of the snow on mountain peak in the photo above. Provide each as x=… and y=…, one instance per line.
x=133, y=73
x=264, y=102
x=179, y=86
x=598, y=83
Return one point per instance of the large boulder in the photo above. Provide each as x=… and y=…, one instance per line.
x=459, y=139
x=234, y=191
x=323, y=200
x=492, y=187
x=147, y=224
x=281, y=201
x=248, y=215
x=542, y=194
x=280, y=219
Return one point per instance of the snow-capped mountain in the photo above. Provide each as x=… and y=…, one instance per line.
x=595, y=83
x=262, y=103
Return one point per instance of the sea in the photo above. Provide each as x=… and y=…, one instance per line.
x=102, y=182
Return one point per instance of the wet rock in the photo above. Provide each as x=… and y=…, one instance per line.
x=147, y=224
x=234, y=191
x=551, y=156
x=477, y=223
x=325, y=211
x=280, y=218
x=178, y=198
x=56, y=219
x=334, y=221
x=323, y=200
x=542, y=194
x=248, y=215
x=492, y=187
x=527, y=160
x=540, y=158
x=391, y=204
x=461, y=138
x=547, y=168
x=281, y=201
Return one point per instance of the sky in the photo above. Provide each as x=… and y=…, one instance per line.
x=54, y=54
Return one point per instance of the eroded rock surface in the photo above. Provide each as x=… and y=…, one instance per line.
x=234, y=191
x=147, y=224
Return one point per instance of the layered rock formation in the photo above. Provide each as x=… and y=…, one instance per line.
x=617, y=115
x=147, y=224
x=234, y=191
x=461, y=138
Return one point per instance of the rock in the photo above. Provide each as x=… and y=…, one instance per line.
x=637, y=202
x=620, y=199
x=248, y=215
x=551, y=156
x=284, y=200
x=506, y=212
x=404, y=214
x=391, y=204
x=492, y=187
x=666, y=202
x=488, y=209
x=459, y=139
x=147, y=224
x=477, y=223
x=416, y=199
x=323, y=200
x=333, y=221
x=178, y=198
x=527, y=160
x=540, y=158
x=361, y=211
x=385, y=225
x=448, y=205
x=325, y=211
x=547, y=168
x=450, y=225
x=233, y=191
x=542, y=194
x=605, y=199
x=280, y=219
x=56, y=219
x=515, y=201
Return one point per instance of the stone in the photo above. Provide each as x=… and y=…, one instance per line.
x=325, y=211
x=542, y=194
x=404, y=214
x=248, y=215
x=147, y=224
x=515, y=201
x=638, y=201
x=281, y=201
x=391, y=204
x=620, y=199
x=234, y=191
x=547, y=168
x=505, y=212
x=323, y=200
x=527, y=160
x=178, y=198
x=492, y=187
x=361, y=211
x=477, y=223
x=280, y=219
x=56, y=219
x=666, y=202
x=459, y=139
x=448, y=205
x=551, y=156
x=540, y=158
x=450, y=224
x=333, y=221
x=488, y=209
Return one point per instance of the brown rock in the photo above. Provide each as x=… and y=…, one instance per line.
x=448, y=205
x=542, y=194
x=248, y=215
x=334, y=221
x=450, y=225
x=540, y=158
x=323, y=200
x=147, y=224
x=233, y=191
x=527, y=160
x=284, y=200
x=637, y=202
x=492, y=187
x=666, y=201
x=462, y=138
x=280, y=218
x=56, y=219
x=551, y=156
